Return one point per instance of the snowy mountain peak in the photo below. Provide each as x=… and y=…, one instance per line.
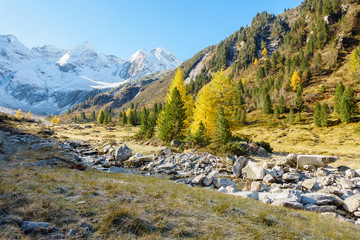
x=50, y=79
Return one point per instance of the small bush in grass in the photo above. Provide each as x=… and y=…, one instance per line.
x=266, y=146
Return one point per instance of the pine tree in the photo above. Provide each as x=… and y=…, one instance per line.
x=267, y=107
x=298, y=117
x=325, y=111
x=282, y=106
x=276, y=112
x=355, y=63
x=299, y=99
x=200, y=136
x=317, y=114
x=347, y=105
x=291, y=117
x=338, y=96
x=101, y=117
x=144, y=123
x=82, y=116
x=222, y=134
x=172, y=125
x=124, y=119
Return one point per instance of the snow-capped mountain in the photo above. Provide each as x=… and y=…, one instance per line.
x=49, y=79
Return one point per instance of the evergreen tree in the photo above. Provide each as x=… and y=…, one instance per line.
x=200, y=136
x=298, y=117
x=172, y=125
x=93, y=117
x=267, y=107
x=82, y=116
x=347, y=105
x=222, y=134
x=124, y=119
x=325, y=111
x=101, y=117
x=282, y=106
x=299, y=99
x=276, y=112
x=338, y=97
x=144, y=123
x=291, y=117
x=317, y=114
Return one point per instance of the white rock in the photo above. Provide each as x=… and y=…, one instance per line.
x=237, y=167
x=350, y=173
x=122, y=153
x=315, y=160
x=198, y=179
x=254, y=171
x=223, y=182
x=351, y=204
x=279, y=171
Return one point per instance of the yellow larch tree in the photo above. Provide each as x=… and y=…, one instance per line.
x=355, y=63
x=29, y=115
x=256, y=62
x=220, y=91
x=265, y=52
x=295, y=80
x=128, y=112
x=19, y=114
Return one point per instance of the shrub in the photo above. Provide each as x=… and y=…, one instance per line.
x=265, y=145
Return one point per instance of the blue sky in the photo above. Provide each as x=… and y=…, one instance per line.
x=122, y=27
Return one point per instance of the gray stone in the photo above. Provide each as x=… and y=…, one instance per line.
x=315, y=160
x=309, y=183
x=289, y=195
x=230, y=189
x=230, y=159
x=166, y=166
x=346, y=183
x=291, y=176
x=350, y=173
x=351, y=204
x=254, y=171
x=316, y=198
x=122, y=153
x=279, y=171
x=28, y=226
x=246, y=194
x=198, y=179
x=288, y=204
x=41, y=146
x=269, y=179
x=207, y=181
x=322, y=208
x=222, y=189
x=175, y=143
x=237, y=167
x=114, y=169
x=255, y=186
x=291, y=160
x=73, y=232
x=223, y=182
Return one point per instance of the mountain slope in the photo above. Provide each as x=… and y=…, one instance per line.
x=49, y=79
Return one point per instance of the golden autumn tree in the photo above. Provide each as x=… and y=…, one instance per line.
x=19, y=114
x=55, y=119
x=29, y=115
x=219, y=92
x=256, y=62
x=295, y=80
x=178, y=83
x=265, y=52
x=128, y=112
x=355, y=63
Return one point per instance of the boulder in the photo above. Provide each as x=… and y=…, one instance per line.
x=269, y=179
x=253, y=171
x=28, y=226
x=351, y=204
x=322, y=208
x=291, y=176
x=223, y=182
x=291, y=160
x=166, y=166
x=247, y=194
x=316, y=198
x=198, y=179
x=230, y=159
x=138, y=161
x=114, y=169
x=255, y=186
x=239, y=164
x=350, y=173
x=42, y=146
x=279, y=171
x=309, y=183
x=175, y=143
x=230, y=189
x=289, y=196
x=315, y=160
x=288, y=204
x=122, y=153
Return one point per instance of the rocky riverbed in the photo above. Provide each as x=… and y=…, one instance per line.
x=294, y=181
